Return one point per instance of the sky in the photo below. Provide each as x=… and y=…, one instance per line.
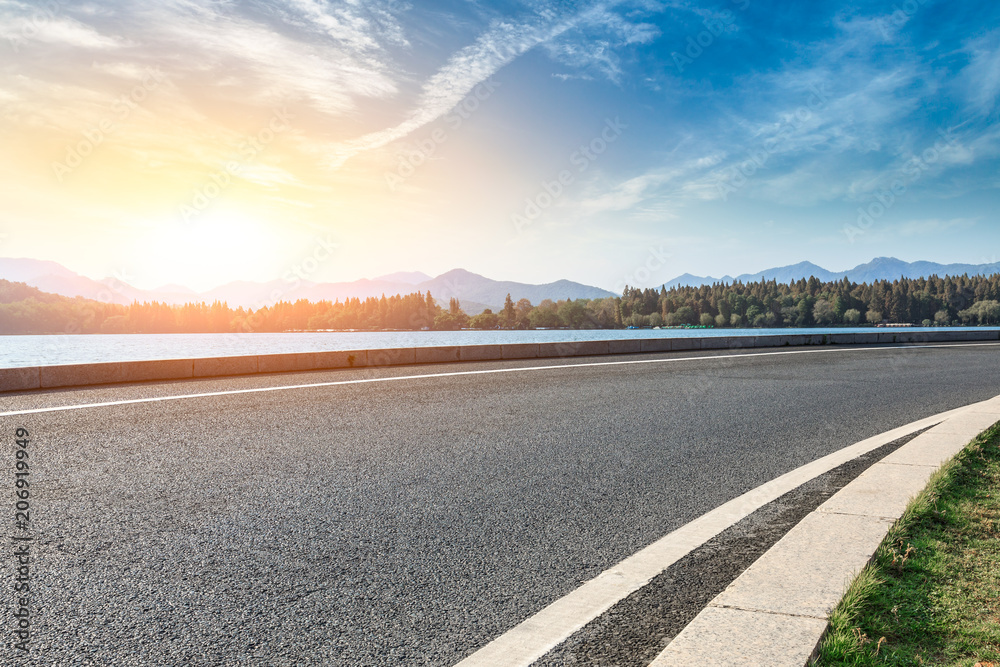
x=610, y=143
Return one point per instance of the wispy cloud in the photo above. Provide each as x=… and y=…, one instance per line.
x=274, y=67
x=362, y=27
x=981, y=78
x=651, y=185
x=832, y=124
x=329, y=58
x=63, y=31
x=568, y=37
x=465, y=70
x=593, y=44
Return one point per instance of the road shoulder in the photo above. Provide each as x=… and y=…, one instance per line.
x=796, y=585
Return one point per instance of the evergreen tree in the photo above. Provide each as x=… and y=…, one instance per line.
x=508, y=318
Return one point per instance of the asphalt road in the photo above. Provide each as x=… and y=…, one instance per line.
x=411, y=522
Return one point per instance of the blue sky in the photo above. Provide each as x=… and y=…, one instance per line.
x=604, y=142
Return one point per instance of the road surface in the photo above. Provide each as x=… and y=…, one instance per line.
x=410, y=522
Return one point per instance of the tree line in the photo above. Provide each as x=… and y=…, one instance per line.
x=961, y=300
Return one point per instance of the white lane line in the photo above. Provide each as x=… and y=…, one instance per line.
x=233, y=392
x=536, y=636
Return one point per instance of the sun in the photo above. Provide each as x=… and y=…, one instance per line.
x=219, y=245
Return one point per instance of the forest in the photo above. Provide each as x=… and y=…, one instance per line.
x=933, y=301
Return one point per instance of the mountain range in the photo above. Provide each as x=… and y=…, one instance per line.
x=475, y=292
x=880, y=268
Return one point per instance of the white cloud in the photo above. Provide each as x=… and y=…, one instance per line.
x=598, y=55
x=360, y=27
x=832, y=130
x=571, y=77
x=55, y=31
x=981, y=78
x=593, y=43
x=273, y=67
x=503, y=43
x=651, y=185
x=464, y=71
x=199, y=45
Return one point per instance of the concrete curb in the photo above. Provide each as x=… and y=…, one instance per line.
x=775, y=613
x=82, y=375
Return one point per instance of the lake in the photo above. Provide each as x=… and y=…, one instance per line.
x=49, y=350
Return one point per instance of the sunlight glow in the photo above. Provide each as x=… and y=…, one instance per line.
x=223, y=243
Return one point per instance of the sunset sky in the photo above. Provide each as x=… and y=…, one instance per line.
x=202, y=142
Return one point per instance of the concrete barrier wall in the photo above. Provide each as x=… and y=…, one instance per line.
x=394, y=357
x=481, y=352
x=624, y=346
x=79, y=375
x=679, y=344
x=436, y=355
x=586, y=348
x=728, y=343
x=217, y=366
x=520, y=351
x=656, y=345
x=20, y=379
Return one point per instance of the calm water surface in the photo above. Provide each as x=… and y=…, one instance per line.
x=49, y=350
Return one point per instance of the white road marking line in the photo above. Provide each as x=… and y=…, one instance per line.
x=533, y=638
x=233, y=392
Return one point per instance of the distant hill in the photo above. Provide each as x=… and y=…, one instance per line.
x=21, y=270
x=786, y=274
x=475, y=292
x=465, y=285
x=172, y=294
x=880, y=268
x=57, y=279
x=889, y=266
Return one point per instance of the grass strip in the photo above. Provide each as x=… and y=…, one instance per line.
x=931, y=594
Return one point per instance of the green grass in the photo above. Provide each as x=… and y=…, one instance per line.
x=931, y=595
